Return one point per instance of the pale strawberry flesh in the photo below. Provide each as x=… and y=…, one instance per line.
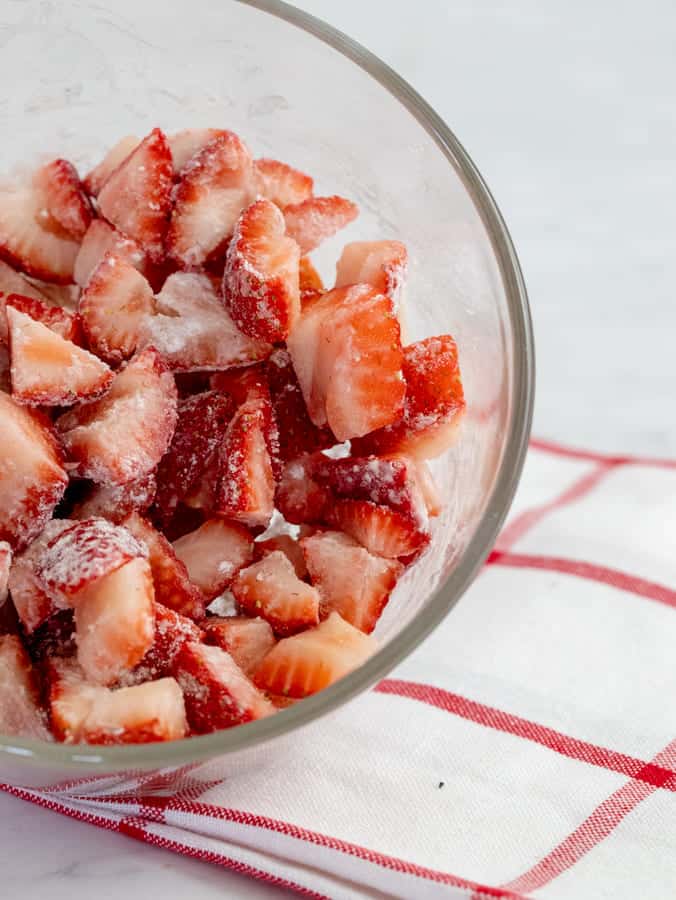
x=247, y=640
x=20, y=712
x=312, y=221
x=280, y=183
x=214, y=553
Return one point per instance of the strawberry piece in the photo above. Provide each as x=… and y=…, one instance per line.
x=115, y=621
x=172, y=631
x=214, y=553
x=350, y=580
x=60, y=320
x=244, y=384
x=194, y=332
x=98, y=176
x=202, y=421
x=310, y=661
x=81, y=555
x=65, y=296
x=173, y=587
x=428, y=488
x=12, y=282
x=215, y=186
x=246, y=640
x=270, y=588
x=87, y=713
x=20, y=713
x=32, y=602
x=101, y=238
x=382, y=264
x=47, y=369
x=286, y=545
x=299, y=497
x=5, y=563
x=281, y=184
x=30, y=238
x=382, y=530
x=217, y=693
x=136, y=198
x=310, y=282
x=116, y=501
x=246, y=489
x=260, y=281
x=312, y=221
x=32, y=479
x=123, y=436
x=67, y=202
x=433, y=407
x=113, y=305
x=54, y=638
x=186, y=144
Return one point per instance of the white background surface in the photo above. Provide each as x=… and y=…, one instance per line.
x=567, y=107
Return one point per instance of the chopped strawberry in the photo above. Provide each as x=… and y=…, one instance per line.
x=30, y=238
x=54, y=638
x=389, y=481
x=115, y=621
x=281, y=184
x=20, y=713
x=123, y=436
x=382, y=264
x=60, y=320
x=65, y=296
x=136, y=198
x=67, y=202
x=81, y=555
x=13, y=282
x=186, y=144
x=217, y=693
x=246, y=490
x=350, y=580
x=85, y=713
x=101, y=238
x=172, y=631
x=116, y=501
x=32, y=478
x=312, y=221
x=173, y=586
x=433, y=407
x=299, y=497
x=247, y=383
x=288, y=546
x=310, y=661
x=33, y=604
x=214, y=553
x=215, y=186
x=260, y=281
x=200, y=429
x=382, y=530
x=246, y=640
x=310, y=283
x=193, y=331
x=270, y=588
x=113, y=305
x=428, y=488
x=5, y=563
x=47, y=369
x=98, y=176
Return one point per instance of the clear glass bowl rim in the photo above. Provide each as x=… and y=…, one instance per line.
x=82, y=757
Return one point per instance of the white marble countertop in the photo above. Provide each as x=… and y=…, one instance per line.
x=567, y=108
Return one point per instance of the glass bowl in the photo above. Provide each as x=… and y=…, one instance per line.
x=297, y=89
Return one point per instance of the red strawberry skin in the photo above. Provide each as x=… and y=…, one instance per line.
x=172, y=631
x=67, y=201
x=60, y=320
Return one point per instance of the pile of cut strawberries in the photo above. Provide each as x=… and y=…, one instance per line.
x=175, y=377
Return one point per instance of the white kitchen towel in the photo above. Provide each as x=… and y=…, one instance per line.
x=527, y=749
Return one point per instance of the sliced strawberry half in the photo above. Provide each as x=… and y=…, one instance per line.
x=260, y=281
x=113, y=306
x=217, y=693
x=382, y=264
x=13, y=282
x=101, y=238
x=187, y=143
x=60, y=320
x=48, y=370
x=312, y=221
x=246, y=640
x=172, y=631
x=382, y=530
x=247, y=383
x=433, y=407
x=123, y=436
x=215, y=186
x=67, y=202
x=98, y=176
x=32, y=602
x=173, y=586
x=281, y=184
x=350, y=580
x=299, y=497
x=288, y=546
x=136, y=198
x=194, y=332
x=270, y=588
x=309, y=281
x=20, y=712
x=116, y=501
x=5, y=563
x=85, y=713
x=310, y=661
x=200, y=429
x=214, y=553
x=32, y=478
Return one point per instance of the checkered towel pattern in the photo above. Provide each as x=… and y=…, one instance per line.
x=528, y=749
